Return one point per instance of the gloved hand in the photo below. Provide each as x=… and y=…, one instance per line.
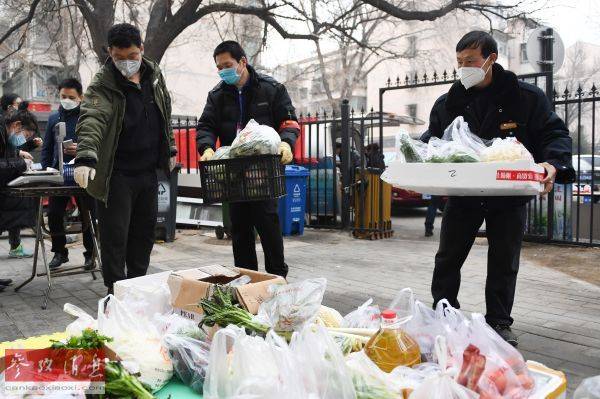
x=286, y=153
x=172, y=163
x=207, y=155
x=83, y=174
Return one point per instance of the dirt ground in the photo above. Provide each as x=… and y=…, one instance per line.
x=580, y=262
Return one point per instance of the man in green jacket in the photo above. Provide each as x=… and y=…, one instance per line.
x=125, y=134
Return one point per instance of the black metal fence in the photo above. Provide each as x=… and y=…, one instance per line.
x=338, y=146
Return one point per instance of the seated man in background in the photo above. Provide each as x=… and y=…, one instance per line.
x=15, y=213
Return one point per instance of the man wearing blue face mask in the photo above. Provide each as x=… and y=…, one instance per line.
x=124, y=135
x=495, y=104
x=242, y=95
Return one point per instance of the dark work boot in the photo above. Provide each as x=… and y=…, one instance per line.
x=89, y=262
x=507, y=334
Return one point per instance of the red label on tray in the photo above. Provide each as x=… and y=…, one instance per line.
x=519, y=175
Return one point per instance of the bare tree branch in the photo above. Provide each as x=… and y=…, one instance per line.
x=23, y=22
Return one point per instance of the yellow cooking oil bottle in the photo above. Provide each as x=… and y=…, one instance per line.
x=391, y=346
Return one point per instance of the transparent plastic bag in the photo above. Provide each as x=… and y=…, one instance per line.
x=365, y=316
x=292, y=306
x=324, y=371
x=440, y=151
x=136, y=341
x=409, y=150
x=221, y=153
x=407, y=379
x=369, y=380
x=244, y=367
x=146, y=301
x=489, y=365
x=588, y=389
x=442, y=385
x=255, y=139
x=509, y=149
x=189, y=357
x=176, y=324
x=83, y=321
x=458, y=132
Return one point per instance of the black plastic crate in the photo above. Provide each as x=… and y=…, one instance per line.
x=254, y=178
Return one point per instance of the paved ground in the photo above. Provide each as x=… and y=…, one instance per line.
x=557, y=316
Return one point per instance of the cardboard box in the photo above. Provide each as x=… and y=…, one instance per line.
x=467, y=179
x=188, y=287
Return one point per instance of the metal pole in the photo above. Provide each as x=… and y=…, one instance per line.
x=380, y=216
x=346, y=168
x=548, y=67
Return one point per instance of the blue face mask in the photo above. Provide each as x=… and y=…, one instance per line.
x=230, y=76
x=17, y=140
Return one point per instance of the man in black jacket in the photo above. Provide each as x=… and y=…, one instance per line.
x=495, y=104
x=70, y=93
x=245, y=94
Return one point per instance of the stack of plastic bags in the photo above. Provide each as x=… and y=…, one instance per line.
x=459, y=145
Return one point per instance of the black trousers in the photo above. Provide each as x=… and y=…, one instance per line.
x=504, y=229
x=262, y=215
x=126, y=224
x=56, y=215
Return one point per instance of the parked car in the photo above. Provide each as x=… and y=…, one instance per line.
x=407, y=198
x=583, y=167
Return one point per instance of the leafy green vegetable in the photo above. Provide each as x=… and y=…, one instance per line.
x=437, y=159
x=407, y=147
x=121, y=384
x=461, y=157
x=220, y=310
x=370, y=391
x=89, y=339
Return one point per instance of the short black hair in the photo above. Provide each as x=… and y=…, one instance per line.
x=7, y=100
x=231, y=47
x=71, y=83
x=124, y=36
x=27, y=119
x=478, y=39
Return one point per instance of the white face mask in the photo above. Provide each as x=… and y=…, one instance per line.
x=68, y=104
x=472, y=76
x=128, y=67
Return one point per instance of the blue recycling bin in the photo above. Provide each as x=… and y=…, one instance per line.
x=293, y=205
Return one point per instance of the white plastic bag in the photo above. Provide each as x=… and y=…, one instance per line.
x=369, y=380
x=509, y=149
x=136, y=341
x=458, y=132
x=365, y=316
x=292, y=306
x=245, y=367
x=420, y=322
x=442, y=385
x=255, y=139
x=84, y=320
x=146, y=301
x=189, y=357
x=488, y=364
x=221, y=153
x=176, y=324
x=588, y=389
x=320, y=360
